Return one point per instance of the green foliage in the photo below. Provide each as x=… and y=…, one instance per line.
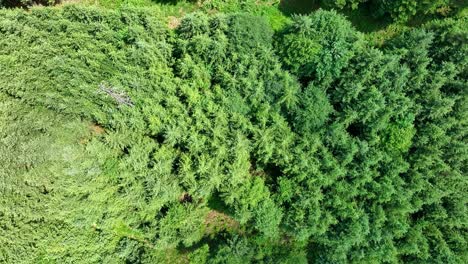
x=298, y=53
x=123, y=141
x=439, y=92
x=399, y=137
x=343, y=3
x=265, y=8
x=398, y=10
x=200, y=255
x=312, y=111
x=403, y=10
x=317, y=46
x=181, y=140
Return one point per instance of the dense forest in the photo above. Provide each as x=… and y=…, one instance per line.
x=140, y=131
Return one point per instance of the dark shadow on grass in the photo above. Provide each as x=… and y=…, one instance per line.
x=20, y=4
x=362, y=18
x=172, y=2
x=290, y=7
x=215, y=202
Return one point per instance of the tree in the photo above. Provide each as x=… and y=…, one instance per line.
x=317, y=46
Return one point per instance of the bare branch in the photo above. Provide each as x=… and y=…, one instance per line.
x=120, y=97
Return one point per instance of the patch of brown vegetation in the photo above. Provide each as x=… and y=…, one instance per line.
x=71, y=1
x=173, y=22
x=256, y=172
x=96, y=129
x=216, y=222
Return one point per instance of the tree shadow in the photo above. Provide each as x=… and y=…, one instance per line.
x=172, y=2
x=166, y=2
x=290, y=7
x=20, y=4
x=362, y=18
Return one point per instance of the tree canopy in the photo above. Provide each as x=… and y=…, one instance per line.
x=226, y=140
